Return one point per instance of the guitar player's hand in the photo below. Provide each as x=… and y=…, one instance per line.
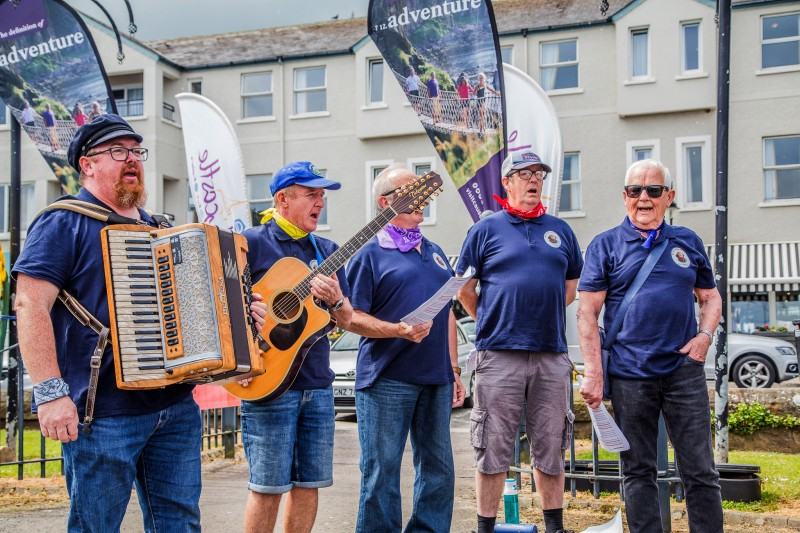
x=413, y=333
x=258, y=310
x=326, y=289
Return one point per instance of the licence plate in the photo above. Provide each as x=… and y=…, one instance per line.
x=343, y=392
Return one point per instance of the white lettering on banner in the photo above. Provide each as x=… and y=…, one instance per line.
x=47, y=47
x=427, y=13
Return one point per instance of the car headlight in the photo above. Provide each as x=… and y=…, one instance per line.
x=786, y=350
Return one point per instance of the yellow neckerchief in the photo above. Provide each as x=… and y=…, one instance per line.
x=291, y=230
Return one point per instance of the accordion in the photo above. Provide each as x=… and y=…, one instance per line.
x=179, y=302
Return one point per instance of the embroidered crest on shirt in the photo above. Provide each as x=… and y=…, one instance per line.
x=439, y=261
x=552, y=239
x=680, y=257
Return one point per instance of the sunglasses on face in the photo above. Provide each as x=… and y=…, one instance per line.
x=653, y=191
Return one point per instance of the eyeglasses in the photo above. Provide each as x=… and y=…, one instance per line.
x=653, y=191
x=120, y=153
x=526, y=175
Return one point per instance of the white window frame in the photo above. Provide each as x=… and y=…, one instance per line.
x=780, y=68
x=510, y=49
x=6, y=116
x=576, y=63
x=680, y=177
x=765, y=169
x=296, y=91
x=270, y=92
x=654, y=145
x=126, y=88
x=412, y=164
x=327, y=225
x=699, y=70
x=382, y=101
x=268, y=197
x=571, y=183
x=369, y=175
x=641, y=77
x=190, y=85
x=4, y=224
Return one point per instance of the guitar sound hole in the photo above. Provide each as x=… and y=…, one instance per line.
x=286, y=306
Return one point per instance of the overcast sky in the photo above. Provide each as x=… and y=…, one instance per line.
x=163, y=19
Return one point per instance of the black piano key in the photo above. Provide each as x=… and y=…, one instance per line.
x=146, y=331
x=149, y=348
x=143, y=294
x=149, y=359
x=151, y=367
x=139, y=267
x=137, y=249
x=144, y=302
x=141, y=286
x=138, y=256
x=146, y=321
x=145, y=313
x=137, y=241
x=141, y=276
x=149, y=339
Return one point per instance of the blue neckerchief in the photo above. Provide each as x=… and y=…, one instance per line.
x=316, y=250
x=651, y=233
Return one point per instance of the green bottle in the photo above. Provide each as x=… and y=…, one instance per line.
x=511, y=502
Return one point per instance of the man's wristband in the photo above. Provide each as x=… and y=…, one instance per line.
x=49, y=390
x=706, y=332
x=338, y=305
x=457, y=370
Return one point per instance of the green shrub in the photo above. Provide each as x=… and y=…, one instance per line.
x=748, y=418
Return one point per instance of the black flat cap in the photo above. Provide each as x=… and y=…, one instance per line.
x=102, y=129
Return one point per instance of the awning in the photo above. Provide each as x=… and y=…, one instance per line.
x=759, y=267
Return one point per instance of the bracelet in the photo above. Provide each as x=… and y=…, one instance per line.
x=706, y=332
x=49, y=390
x=338, y=305
x=457, y=370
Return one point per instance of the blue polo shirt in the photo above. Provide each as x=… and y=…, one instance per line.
x=388, y=284
x=522, y=266
x=661, y=317
x=266, y=245
x=64, y=248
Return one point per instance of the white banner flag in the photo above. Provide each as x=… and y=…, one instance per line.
x=533, y=125
x=214, y=160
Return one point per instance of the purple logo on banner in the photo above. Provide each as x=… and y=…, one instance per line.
x=16, y=21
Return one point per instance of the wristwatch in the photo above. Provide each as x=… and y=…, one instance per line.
x=457, y=370
x=338, y=305
x=708, y=333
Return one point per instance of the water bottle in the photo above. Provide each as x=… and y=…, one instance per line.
x=511, y=502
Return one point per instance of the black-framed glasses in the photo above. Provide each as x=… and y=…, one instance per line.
x=653, y=191
x=527, y=175
x=120, y=153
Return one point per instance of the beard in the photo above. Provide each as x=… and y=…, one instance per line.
x=130, y=195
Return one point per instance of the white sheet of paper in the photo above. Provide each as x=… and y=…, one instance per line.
x=431, y=307
x=614, y=526
x=608, y=432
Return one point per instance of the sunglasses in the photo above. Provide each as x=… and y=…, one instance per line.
x=653, y=191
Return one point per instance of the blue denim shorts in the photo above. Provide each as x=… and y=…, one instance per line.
x=289, y=441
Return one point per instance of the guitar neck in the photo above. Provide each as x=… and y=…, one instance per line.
x=338, y=258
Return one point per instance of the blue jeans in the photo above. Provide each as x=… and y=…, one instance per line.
x=159, y=453
x=289, y=441
x=683, y=398
x=386, y=412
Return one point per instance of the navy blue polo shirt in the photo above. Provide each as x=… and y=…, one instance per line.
x=522, y=266
x=64, y=248
x=661, y=317
x=388, y=284
x=266, y=245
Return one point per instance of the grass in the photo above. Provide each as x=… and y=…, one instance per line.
x=32, y=447
x=780, y=475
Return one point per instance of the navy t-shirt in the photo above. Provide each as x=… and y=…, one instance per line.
x=64, y=248
x=388, y=284
x=661, y=317
x=266, y=245
x=522, y=266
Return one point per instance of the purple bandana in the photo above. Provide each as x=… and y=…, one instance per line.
x=392, y=237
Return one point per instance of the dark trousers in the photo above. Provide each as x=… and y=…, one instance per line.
x=683, y=398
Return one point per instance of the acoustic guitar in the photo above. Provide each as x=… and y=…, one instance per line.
x=295, y=321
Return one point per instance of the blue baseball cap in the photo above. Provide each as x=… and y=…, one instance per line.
x=519, y=160
x=100, y=130
x=301, y=173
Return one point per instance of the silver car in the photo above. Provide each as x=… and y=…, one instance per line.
x=344, y=352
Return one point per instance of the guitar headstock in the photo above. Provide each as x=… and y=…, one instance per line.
x=416, y=195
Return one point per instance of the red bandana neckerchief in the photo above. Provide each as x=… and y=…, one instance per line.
x=537, y=211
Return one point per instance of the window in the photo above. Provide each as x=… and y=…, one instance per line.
x=129, y=100
x=645, y=149
x=559, y=65
x=693, y=171
x=309, y=90
x=787, y=308
x=3, y=114
x=191, y=211
x=322, y=222
x=375, y=88
x=28, y=201
x=507, y=54
x=570, y=199
x=640, y=53
x=429, y=213
x=690, y=42
x=196, y=86
x=258, y=193
x=780, y=40
x=373, y=169
x=642, y=153
x=257, y=95
x=749, y=311
x=782, y=168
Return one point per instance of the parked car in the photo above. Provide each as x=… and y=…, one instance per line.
x=753, y=361
x=344, y=352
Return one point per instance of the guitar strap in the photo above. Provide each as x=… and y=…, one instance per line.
x=79, y=311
